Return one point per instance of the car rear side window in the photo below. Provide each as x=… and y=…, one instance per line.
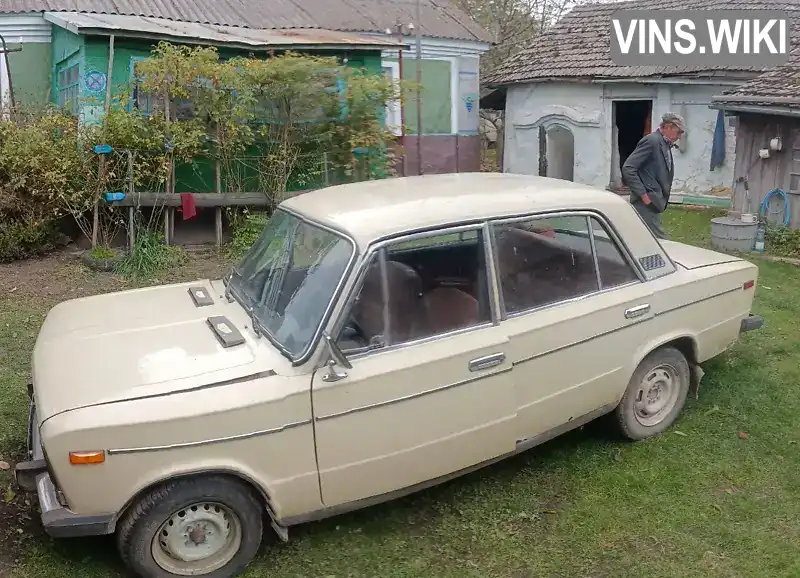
x=544, y=261
x=420, y=288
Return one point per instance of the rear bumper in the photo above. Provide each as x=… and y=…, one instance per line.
x=34, y=476
x=751, y=322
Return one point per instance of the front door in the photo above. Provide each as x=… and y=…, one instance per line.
x=430, y=390
x=576, y=311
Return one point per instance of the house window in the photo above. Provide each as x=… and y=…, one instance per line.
x=148, y=104
x=69, y=88
x=392, y=70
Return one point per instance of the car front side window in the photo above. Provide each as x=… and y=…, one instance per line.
x=417, y=289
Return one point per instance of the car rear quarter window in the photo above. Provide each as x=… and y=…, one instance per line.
x=615, y=270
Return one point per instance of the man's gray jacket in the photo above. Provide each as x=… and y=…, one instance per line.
x=649, y=169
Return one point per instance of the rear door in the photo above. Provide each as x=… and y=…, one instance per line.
x=575, y=308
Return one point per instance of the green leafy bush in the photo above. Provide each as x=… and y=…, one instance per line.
x=783, y=241
x=150, y=256
x=20, y=240
x=263, y=123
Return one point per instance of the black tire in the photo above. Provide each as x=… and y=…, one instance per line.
x=632, y=422
x=139, y=526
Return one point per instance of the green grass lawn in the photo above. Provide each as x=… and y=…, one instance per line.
x=718, y=495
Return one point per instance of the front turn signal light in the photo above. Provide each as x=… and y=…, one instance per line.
x=86, y=458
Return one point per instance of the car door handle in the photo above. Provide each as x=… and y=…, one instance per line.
x=487, y=362
x=637, y=311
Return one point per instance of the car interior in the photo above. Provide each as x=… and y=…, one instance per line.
x=432, y=289
x=540, y=267
x=442, y=287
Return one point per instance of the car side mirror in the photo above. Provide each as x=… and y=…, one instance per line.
x=336, y=354
x=336, y=358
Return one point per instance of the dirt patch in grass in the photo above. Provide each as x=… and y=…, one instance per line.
x=60, y=276
x=27, y=291
x=19, y=526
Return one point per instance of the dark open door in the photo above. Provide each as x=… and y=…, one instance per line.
x=542, y=152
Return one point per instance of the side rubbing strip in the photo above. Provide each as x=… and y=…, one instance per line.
x=412, y=395
x=200, y=296
x=206, y=442
x=225, y=331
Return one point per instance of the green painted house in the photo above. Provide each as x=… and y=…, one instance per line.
x=59, y=50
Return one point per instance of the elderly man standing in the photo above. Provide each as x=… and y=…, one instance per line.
x=649, y=169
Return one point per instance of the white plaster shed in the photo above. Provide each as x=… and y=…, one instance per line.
x=591, y=112
x=586, y=112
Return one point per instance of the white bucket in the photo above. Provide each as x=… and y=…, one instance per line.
x=748, y=218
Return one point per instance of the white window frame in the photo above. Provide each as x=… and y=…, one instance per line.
x=393, y=106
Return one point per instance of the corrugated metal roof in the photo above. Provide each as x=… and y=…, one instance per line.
x=440, y=19
x=161, y=28
x=579, y=45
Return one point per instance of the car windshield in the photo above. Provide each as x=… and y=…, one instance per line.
x=288, y=278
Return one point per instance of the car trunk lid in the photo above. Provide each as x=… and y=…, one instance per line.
x=691, y=257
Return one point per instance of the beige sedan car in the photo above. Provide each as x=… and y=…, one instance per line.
x=378, y=338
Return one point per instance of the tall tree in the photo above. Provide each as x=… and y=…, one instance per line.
x=513, y=24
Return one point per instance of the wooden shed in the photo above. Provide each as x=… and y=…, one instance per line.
x=767, y=111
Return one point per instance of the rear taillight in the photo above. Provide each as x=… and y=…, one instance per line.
x=749, y=285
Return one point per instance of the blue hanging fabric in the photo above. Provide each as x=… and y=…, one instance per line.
x=718, y=145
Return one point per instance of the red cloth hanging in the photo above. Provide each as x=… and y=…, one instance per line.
x=188, y=206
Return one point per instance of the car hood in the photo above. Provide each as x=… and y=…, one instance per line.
x=691, y=257
x=144, y=342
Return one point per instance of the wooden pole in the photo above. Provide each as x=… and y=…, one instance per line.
x=101, y=177
x=101, y=172
x=419, y=86
x=218, y=187
x=402, y=111
x=108, y=77
x=218, y=190
x=131, y=209
x=171, y=167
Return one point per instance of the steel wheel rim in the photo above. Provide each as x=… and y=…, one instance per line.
x=197, y=540
x=657, y=395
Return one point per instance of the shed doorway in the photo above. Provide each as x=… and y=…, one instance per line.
x=560, y=151
x=631, y=120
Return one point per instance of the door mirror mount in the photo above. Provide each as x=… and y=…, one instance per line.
x=336, y=355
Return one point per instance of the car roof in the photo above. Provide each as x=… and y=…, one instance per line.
x=371, y=210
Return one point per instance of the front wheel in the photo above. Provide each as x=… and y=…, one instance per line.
x=206, y=526
x=655, y=396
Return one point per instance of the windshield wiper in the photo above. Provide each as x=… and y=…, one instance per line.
x=227, y=279
x=254, y=321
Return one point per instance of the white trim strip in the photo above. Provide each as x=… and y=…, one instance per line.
x=25, y=29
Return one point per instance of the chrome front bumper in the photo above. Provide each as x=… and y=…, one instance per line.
x=33, y=475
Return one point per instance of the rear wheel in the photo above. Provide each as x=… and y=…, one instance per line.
x=206, y=526
x=656, y=394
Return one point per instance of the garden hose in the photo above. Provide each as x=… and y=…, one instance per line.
x=764, y=209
